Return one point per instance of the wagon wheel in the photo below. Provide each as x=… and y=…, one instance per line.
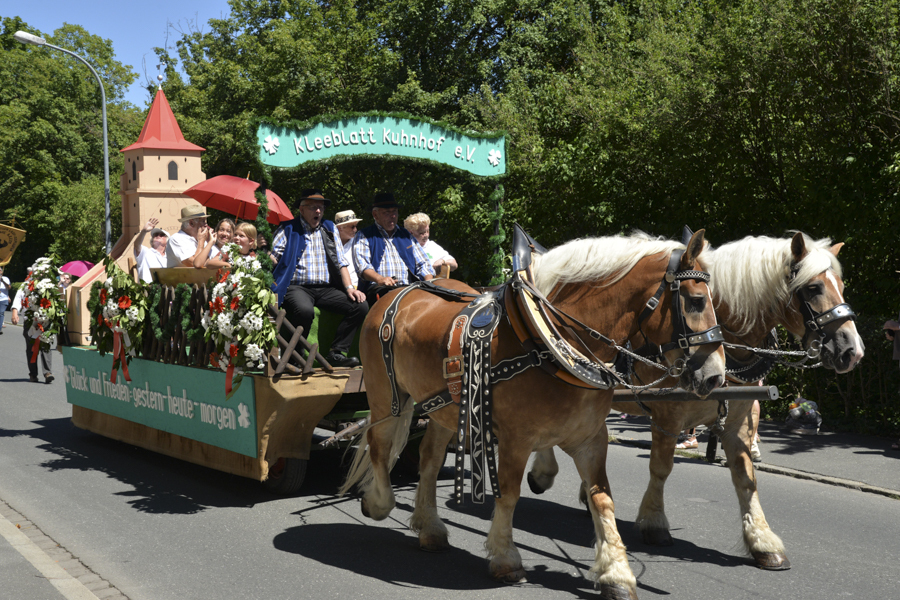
x=286, y=475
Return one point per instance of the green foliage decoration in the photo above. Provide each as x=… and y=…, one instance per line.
x=118, y=310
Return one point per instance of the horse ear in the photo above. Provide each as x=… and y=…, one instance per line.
x=798, y=247
x=837, y=248
x=695, y=246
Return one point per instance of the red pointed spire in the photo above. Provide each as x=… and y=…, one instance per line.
x=161, y=130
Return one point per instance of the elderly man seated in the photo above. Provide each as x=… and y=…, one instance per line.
x=183, y=246
x=312, y=271
x=387, y=256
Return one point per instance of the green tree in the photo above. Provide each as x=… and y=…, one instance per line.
x=51, y=136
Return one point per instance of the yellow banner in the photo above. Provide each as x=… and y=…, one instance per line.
x=10, y=238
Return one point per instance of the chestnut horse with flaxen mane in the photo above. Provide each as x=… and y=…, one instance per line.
x=757, y=283
x=604, y=284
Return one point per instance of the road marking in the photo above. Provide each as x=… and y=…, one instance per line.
x=68, y=586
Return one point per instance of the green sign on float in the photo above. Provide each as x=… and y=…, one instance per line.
x=286, y=148
x=185, y=401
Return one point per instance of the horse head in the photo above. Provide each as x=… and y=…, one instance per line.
x=818, y=314
x=694, y=349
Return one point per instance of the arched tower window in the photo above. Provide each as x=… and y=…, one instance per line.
x=173, y=170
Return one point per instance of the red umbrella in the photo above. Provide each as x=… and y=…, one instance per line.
x=278, y=210
x=76, y=267
x=229, y=194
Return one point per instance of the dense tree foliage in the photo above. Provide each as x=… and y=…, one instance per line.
x=51, y=141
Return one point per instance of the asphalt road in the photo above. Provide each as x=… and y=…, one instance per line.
x=160, y=529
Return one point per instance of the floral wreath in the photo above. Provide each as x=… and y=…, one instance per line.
x=118, y=317
x=43, y=306
x=236, y=319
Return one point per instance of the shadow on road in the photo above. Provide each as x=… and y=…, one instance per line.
x=161, y=484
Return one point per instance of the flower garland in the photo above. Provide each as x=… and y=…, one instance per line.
x=43, y=306
x=118, y=318
x=236, y=319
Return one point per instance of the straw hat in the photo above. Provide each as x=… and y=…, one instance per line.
x=192, y=211
x=346, y=217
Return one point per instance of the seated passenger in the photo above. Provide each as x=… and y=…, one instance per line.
x=312, y=271
x=183, y=247
x=419, y=225
x=346, y=223
x=245, y=238
x=153, y=257
x=387, y=256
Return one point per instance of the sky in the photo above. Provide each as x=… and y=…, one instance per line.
x=134, y=27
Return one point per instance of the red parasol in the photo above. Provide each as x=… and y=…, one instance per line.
x=278, y=210
x=229, y=194
x=76, y=267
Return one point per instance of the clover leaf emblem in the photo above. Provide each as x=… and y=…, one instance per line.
x=244, y=419
x=494, y=157
x=271, y=144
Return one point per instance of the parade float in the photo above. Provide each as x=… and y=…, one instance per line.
x=195, y=366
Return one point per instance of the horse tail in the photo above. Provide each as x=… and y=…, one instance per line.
x=361, y=470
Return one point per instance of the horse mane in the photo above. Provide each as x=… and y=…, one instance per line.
x=601, y=259
x=751, y=276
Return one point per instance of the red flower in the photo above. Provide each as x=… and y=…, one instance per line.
x=233, y=351
x=45, y=303
x=30, y=286
x=124, y=302
x=223, y=275
x=103, y=296
x=235, y=302
x=24, y=302
x=214, y=360
x=217, y=305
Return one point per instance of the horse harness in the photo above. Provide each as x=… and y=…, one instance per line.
x=470, y=374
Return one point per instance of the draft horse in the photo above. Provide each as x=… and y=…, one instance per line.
x=756, y=283
x=602, y=283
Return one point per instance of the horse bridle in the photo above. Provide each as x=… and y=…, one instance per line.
x=682, y=335
x=815, y=322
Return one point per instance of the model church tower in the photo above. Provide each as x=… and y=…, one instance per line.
x=159, y=166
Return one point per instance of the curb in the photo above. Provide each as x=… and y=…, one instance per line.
x=835, y=481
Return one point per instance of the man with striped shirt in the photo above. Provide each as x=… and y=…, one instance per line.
x=386, y=255
x=312, y=271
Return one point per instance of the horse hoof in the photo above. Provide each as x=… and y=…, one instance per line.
x=533, y=484
x=610, y=591
x=511, y=577
x=657, y=537
x=771, y=561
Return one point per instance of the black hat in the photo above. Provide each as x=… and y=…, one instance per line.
x=313, y=194
x=385, y=200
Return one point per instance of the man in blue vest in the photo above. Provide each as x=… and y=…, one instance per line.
x=312, y=271
x=386, y=255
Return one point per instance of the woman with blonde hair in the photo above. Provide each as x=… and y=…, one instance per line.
x=244, y=236
x=419, y=225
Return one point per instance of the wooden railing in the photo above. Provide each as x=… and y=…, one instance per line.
x=179, y=350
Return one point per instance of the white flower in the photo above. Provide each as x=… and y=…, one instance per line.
x=205, y=321
x=132, y=314
x=224, y=324
x=255, y=265
x=253, y=352
x=251, y=323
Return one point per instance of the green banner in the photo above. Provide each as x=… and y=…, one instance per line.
x=286, y=148
x=185, y=401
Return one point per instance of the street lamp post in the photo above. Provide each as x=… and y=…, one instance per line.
x=27, y=38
